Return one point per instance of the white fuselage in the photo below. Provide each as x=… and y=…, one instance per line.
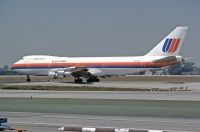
x=41, y=65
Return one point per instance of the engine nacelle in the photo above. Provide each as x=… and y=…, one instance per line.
x=62, y=74
x=53, y=74
x=67, y=74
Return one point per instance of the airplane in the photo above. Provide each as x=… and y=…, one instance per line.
x=164, y=54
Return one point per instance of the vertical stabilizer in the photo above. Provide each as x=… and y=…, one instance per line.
x=170, y=45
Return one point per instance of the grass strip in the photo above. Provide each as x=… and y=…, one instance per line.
x=71, y=88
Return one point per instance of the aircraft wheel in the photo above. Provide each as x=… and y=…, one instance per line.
x=78, y=80
x=93, y=80
x=97, y=80
x=28, y=79
x=89, y=80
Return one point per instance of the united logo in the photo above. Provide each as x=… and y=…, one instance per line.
x=170, y=45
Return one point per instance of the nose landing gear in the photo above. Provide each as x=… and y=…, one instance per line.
x=28, y=79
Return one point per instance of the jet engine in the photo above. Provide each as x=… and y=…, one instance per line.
x=56, y=74
x=53, y=75
x=66, y=74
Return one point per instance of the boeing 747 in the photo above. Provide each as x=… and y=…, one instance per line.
x=164, y=54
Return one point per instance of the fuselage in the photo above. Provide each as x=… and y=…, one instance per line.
x=41, y=64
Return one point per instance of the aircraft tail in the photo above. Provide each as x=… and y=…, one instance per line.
x=170, y=45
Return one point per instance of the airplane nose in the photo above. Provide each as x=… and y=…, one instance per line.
x=13, y=66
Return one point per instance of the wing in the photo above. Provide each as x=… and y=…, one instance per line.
x=76, y=72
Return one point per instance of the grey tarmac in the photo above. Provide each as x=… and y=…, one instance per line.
x=180, y=95
x=114, y=84
x=50, y=122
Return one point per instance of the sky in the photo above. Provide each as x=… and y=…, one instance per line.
x=94, y=27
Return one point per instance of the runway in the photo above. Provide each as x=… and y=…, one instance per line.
x=49, y=122
x=192, y=93
x=179, y=96
x=42, y=110
x=115, y=84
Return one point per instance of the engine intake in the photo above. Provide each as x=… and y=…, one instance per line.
x=53, y=74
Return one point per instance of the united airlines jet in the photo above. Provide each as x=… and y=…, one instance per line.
x=164, y=54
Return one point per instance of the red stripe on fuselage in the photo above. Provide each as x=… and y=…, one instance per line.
x=91, y=64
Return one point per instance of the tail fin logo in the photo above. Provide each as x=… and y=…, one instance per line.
x=170, y=45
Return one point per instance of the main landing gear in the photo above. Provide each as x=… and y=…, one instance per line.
x=93, y=79
x=89, y=80
x=28, y=79
x=78, y=80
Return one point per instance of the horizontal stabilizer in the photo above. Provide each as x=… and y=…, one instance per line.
x=166, y=59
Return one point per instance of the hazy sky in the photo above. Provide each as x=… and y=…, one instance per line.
x=94, y=27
